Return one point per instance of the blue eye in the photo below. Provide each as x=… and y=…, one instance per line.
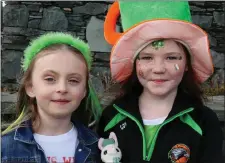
x=49, y=79
x=172, y=58
x=73, y=81
x=145, y=58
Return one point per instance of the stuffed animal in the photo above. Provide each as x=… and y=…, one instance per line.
x=110, y=153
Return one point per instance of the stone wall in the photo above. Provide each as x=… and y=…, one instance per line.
x=23, y=21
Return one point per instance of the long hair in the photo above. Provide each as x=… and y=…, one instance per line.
x=189, y=83
x=26, y=107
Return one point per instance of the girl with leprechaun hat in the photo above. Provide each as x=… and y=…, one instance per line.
x=160, y=60
x=54, y=88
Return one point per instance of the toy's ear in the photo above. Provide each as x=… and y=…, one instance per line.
x=100, y=141
x=113, y=136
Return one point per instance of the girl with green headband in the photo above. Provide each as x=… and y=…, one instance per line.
x=55, y=103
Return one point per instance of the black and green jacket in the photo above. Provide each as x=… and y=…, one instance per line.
x=190, y=132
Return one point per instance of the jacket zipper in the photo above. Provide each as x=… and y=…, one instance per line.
x=152, y=146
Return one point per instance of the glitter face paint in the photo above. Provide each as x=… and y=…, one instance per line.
x=157, y=44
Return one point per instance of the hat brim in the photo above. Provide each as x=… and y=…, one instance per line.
x=193, y=37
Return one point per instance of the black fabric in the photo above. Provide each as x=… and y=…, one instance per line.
x=203, y=149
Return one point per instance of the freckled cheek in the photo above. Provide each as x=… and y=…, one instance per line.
x=177, y=73
x=141, y=69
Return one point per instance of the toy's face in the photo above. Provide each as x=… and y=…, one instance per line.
x=111, y=153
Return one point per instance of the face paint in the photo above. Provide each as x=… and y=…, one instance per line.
x=176, y=67
x=157, y=44
x=140, y=72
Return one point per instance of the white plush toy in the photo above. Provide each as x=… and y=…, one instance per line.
x=110, y=153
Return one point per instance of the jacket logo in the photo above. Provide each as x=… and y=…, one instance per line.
x=122, y=126
x=180, y=153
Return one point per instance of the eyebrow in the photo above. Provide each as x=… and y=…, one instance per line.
x=169, y=53
x=71, y=74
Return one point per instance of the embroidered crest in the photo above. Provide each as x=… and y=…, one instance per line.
x=179, y=153
x=122, y=126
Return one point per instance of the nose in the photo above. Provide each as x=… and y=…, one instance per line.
x=158, y=67
x=62, y=87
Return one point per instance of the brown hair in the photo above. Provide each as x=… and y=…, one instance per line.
x=189, y=83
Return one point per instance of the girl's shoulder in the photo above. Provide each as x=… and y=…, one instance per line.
x=206, y=118
x=8, y=142
x=8, y=137
x=85, y=132
x=205, y=113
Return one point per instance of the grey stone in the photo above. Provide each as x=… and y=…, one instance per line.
x=95, y=35
x=90, y=9
x=35, y=23
x=11, y=61
x=202, y=21
x=54, y=19
x=14, y=46
x=14, y=39
x=8, y=108
x=218, y=59
x=212, y=40
x=65, y=4
x=14, y=30
x=197, y=3
x=15, y=15
x=8, y=97
x=102, y=56
x=35, y=15
x=219, y=18
x=75, y=22
x=31, y=3
x=97, y=84
x=210, y=9
x=33, y=7
x=196, y=9
x=12, y=2
x=100, y=71
x=21, y=31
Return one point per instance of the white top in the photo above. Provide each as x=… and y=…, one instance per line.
x=60, y=148
x=154, y=121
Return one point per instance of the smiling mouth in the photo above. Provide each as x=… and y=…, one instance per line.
x=61, y=101
x=159, y=81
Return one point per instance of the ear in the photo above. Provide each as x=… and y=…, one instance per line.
x=186, y=68
x=113, y=135
x=100, y=141
x=29, y=90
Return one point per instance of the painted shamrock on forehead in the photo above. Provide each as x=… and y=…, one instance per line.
x=157, y=44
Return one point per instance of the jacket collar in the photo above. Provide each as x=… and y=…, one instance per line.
x=25, y=133
x=130, y=104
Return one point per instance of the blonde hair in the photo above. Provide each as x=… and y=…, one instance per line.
x=26, y=107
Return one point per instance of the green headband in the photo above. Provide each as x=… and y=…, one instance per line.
x=52, y=38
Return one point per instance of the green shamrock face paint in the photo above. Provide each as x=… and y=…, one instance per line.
x=157, y=44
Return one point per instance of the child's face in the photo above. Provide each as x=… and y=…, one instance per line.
x=58, y=83
x=160, y=70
